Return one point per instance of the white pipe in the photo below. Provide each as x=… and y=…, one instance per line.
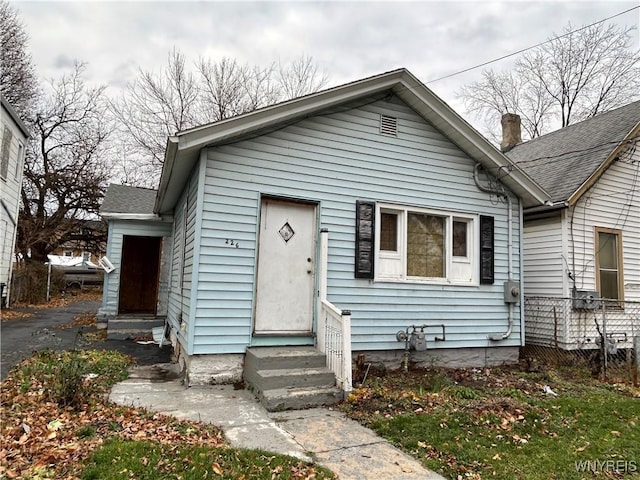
x=521, y=269
x=49, y=282
x=322, y=266
x=507, y=333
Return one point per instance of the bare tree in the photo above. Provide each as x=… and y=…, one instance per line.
x=157, y=105
x=65, y=170
x=153, y=107
x=300, y=77
x=18, y=82
x=570, y=78
x=222, y=88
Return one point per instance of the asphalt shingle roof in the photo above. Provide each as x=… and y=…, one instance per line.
x=561, y=161
x=125, y=199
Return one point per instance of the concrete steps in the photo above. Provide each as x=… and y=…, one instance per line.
x=290, y=378
x=129, y=327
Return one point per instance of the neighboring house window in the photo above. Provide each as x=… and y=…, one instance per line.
x=19, y=161
x=423, y=245
x=67, y=253
x=5, y=239
x=609, y=275
x=5, y=151
x=86, y=256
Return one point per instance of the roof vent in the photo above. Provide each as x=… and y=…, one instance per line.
x=388, y=125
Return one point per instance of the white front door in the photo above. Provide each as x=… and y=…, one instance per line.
x=286, y=267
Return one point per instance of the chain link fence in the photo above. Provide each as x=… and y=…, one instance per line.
x=600, y=336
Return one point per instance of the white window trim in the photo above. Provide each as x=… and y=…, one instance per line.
x=472, y=241
x=619, y=260
x=19, y=161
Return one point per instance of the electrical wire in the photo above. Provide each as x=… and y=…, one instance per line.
x=531, y=47
x=626, y=210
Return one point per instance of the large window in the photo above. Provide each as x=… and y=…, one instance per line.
x=609, y=275
x=423, y=245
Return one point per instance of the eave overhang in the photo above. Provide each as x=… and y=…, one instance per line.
x=183, y=149
x=629, y=139
x=151, y=217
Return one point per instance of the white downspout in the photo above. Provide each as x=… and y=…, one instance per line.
x=507, y=334
x=502, y=336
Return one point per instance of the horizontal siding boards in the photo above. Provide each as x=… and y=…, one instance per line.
x=110, y=287
x=543, y=264
x=336, y=159
x=182, y=263
x=117, y=230
x=613, y=202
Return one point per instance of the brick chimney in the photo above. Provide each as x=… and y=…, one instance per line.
x=511, y=133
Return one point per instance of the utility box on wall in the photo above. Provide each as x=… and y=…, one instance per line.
x=586, y=300
x=511, y=292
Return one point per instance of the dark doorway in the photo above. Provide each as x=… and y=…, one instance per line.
x=139, y=271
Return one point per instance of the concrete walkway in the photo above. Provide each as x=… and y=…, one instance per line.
x=321, y=435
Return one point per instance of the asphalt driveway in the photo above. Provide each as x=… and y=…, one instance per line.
x=51, y=328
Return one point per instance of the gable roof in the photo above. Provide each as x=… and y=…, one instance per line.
x=122, y=201
x=183, y=149
x=14, y=115
x=566, y=162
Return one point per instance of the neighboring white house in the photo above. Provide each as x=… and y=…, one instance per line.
x=586, y=245
x=13, y=142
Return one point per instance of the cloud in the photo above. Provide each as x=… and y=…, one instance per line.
x=63, y=62
x=350, y=40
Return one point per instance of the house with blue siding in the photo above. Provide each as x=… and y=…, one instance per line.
x=368, y=218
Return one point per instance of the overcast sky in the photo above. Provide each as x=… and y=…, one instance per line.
x=349, y=40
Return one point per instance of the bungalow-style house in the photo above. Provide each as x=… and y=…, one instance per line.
x=365, y=218
x=12, y=149
x=582, y=251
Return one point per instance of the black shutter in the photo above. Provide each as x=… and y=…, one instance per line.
x=486, y=250
x=365, y=232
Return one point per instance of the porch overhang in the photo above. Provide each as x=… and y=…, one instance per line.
x=151, y=217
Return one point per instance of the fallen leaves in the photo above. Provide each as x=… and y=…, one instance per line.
x=519, y=439
x=85, y=319
x=39, y=437
x=64, y=300
x=216, y=468
x=13, y=314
